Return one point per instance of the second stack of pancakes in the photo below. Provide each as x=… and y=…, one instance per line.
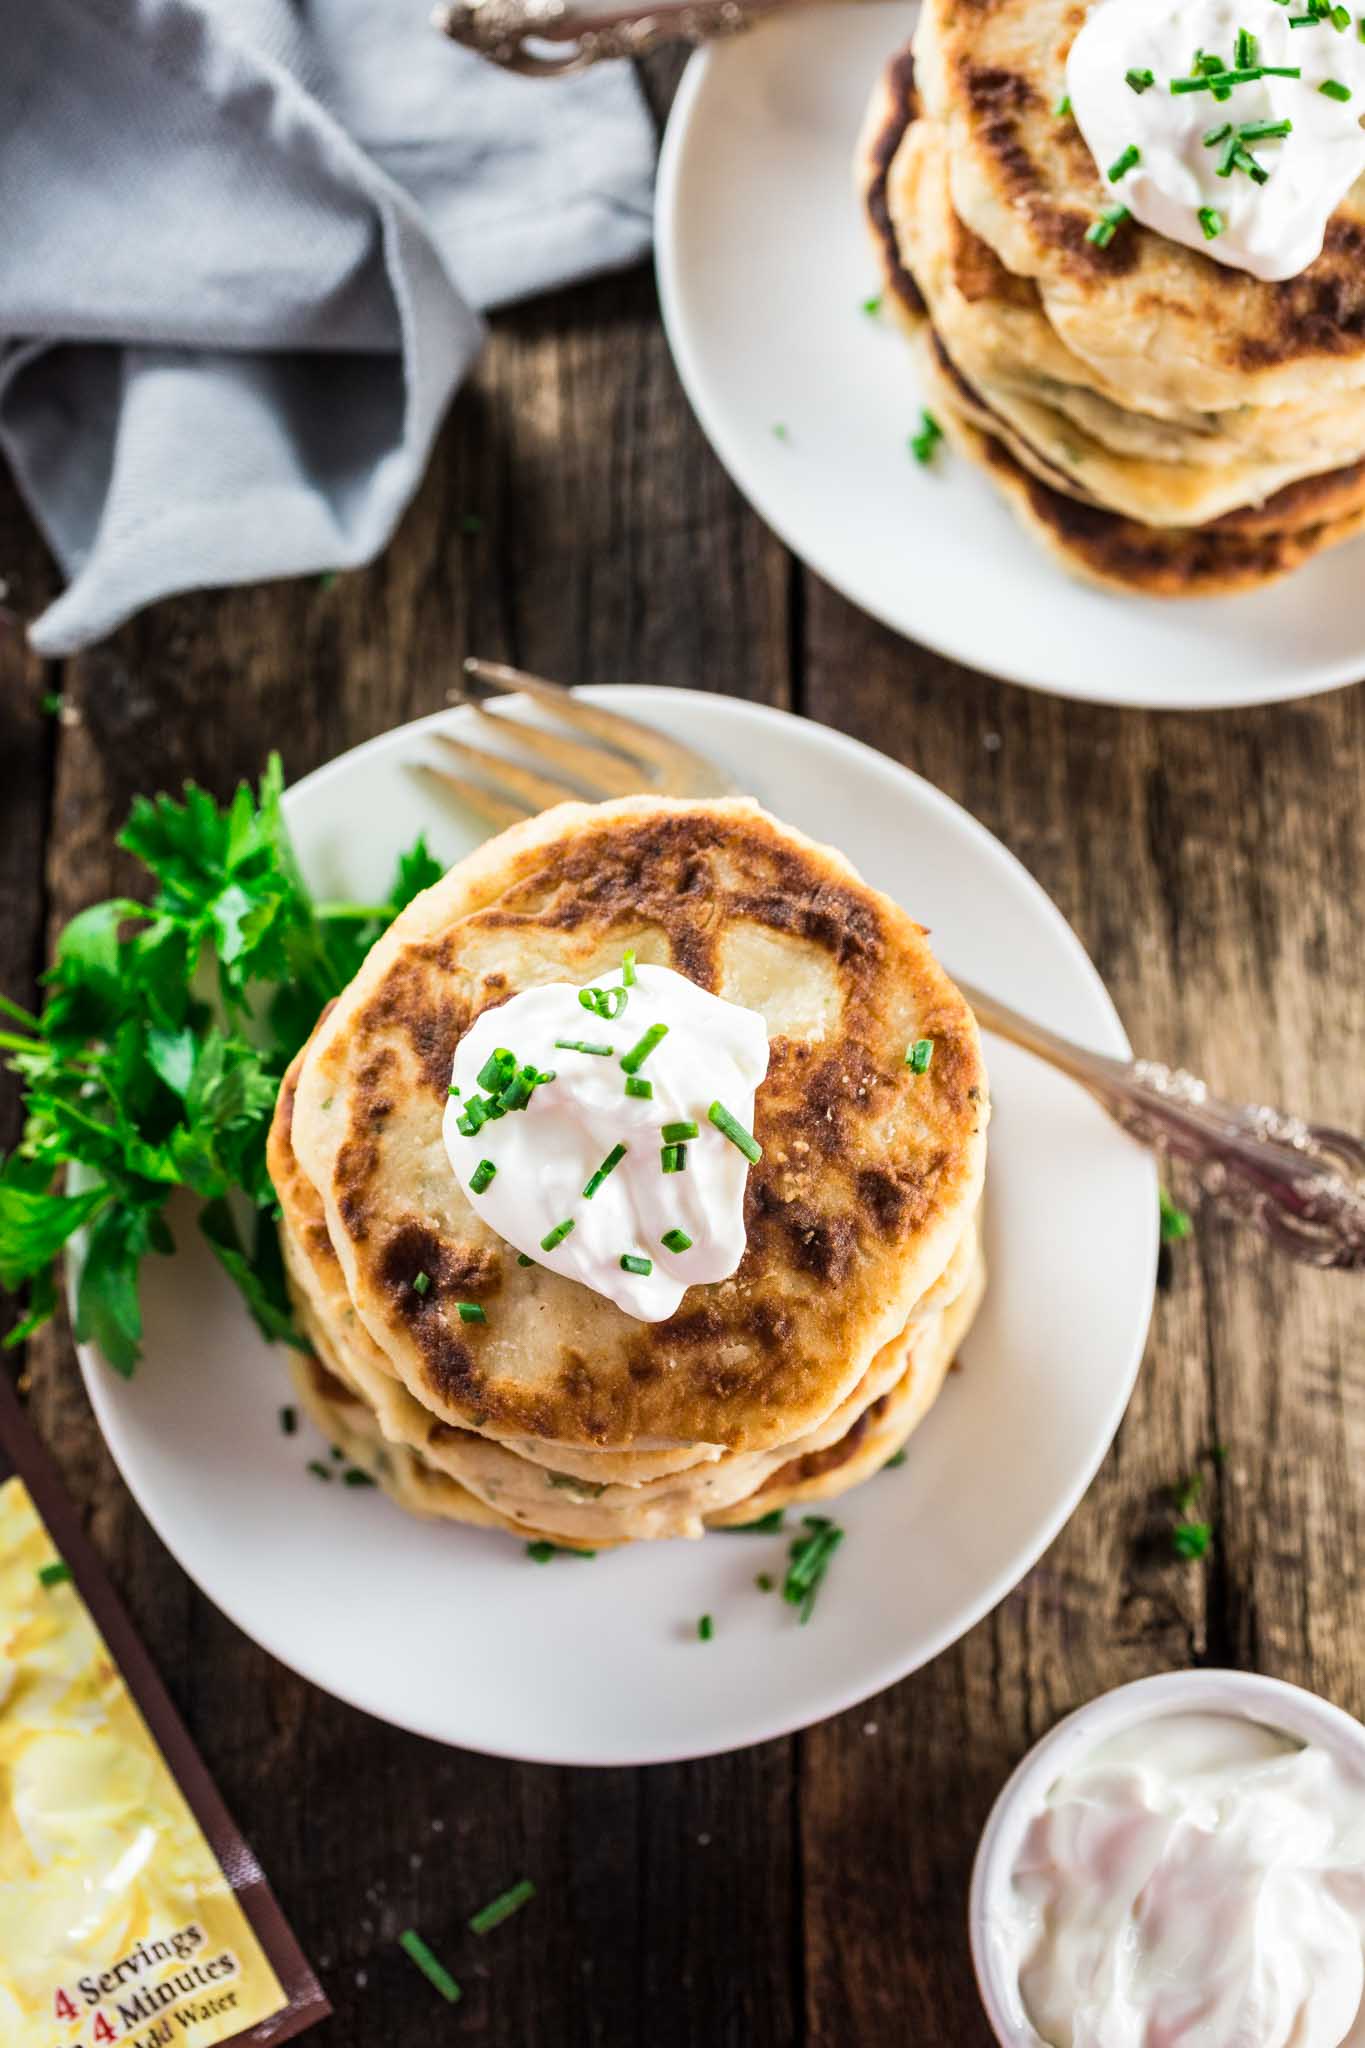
x=1161, y=423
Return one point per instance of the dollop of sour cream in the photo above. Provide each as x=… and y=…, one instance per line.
x=589, y=1147
x=1273, y=229
x=1198, y=1882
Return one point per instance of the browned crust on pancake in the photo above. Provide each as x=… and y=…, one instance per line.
x=898, y=82
x=1303, y=508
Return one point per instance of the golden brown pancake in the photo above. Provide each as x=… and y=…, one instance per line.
x=1165, y=324
x=869, y=1173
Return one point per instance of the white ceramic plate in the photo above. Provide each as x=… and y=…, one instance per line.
x=764, y=265
x=456, y=1633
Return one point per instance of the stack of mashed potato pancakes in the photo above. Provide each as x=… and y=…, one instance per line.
x=632, y=1187
x=1128, y=240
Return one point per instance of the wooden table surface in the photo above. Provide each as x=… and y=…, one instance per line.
x=810, y=1891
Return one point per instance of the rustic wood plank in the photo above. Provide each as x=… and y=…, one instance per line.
x=571, y=520
x=1213, y=870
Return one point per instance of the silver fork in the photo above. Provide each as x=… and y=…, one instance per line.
x=1301, y=1185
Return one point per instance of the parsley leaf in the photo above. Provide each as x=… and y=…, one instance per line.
x=135, y=1085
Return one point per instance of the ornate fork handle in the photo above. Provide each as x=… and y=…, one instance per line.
x=1301, y=1185
x=501, y=30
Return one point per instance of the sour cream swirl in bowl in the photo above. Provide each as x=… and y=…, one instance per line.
x=1180, y=1865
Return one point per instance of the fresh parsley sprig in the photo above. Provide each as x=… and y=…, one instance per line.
x=155, y=1063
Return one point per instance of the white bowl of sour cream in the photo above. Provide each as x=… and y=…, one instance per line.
x=1180, y=1864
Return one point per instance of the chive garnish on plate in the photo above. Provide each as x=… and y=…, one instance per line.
x=609, y=1165
x=1211, y=221
x=557, y=1235
x=628, y=967
x=482, y=1177
x=766, y=1525
x=522, y=1260
x=1245, y=49
x=918, y=1055
x=926, y=440
x=631, y=1262
x=1127, y=160
x=1139, y=80
x=541, y=1552
x=1063, y=107
x=632, y=1061
x=639, y=1087
x=706, y=1628
x=600, y=1052
x=678, y=1134
x=471, y=1312
x=676, y=1241
x=318, y=1469
x=810, y=1557
x=55, y=1574
x=1333, y=89
x=421, y=1283
x=289, y=1420
x=355, y=1477
x=432, y=1969
x=503, y=1907
x=673, y=1158
x=730, y=1127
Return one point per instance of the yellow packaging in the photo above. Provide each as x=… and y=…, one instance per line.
x=117, y=1921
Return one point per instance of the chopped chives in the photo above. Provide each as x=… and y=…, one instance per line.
x=1213, y=136
x=497, y=1070
x=289, y=1420
x=1264, y=131
x=503, y=1907
x=638, y=1086
x=873, y=305
x=1139, y=80
x=1244, y=50
x=355, y=1477
x=673, y=1158
x=923, y=443
x=764, y=1582
x=896, y=1459
x=55, y=1574
x=674, y=1134
x=601, y=1052
x=632, y=1061
x=1063, y=107
x=730, y=1127
x=1211, y=221
x=810, y=1559
x=318, y=1469
x=1333, y=89
x=918, y=1055
x=706, y=1628
x=473, y=1119
x=631, y=1262
x=482, y=1176
x=1303, y=21
x=452, y=1090
x=541, y=1552
x=421, y=1283
x=1362, y=28
x=434, y=1971
x=555, y=1237
x=517, y=1093
x=1340, y=18
x=471, y=1312
x=628, y=967
x=609, y=1165
x=522, y=1260
x=676, y=1241
x=338, y=1455
x=766, y=1525
x=1227, y=162
x=1126, y=161
x=1101, y=231
x=1245, y=161
x=1282, y=71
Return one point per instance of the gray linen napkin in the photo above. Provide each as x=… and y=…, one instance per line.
x=243, y=244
